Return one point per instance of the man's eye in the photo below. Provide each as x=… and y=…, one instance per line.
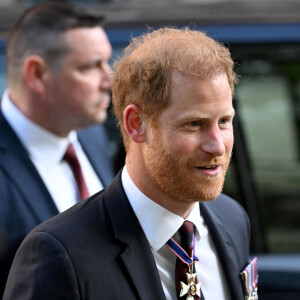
x=95, y=65
x=86, y=68
x=194, y=123
x=226, y=121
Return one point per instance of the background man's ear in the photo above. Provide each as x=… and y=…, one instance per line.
x=35, y=69
x=134, y=121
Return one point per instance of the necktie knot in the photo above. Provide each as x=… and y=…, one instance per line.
x=70, y=155
x=186, y=233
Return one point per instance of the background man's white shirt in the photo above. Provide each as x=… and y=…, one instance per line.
x=46, y=151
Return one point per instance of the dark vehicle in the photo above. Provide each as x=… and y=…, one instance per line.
x=264, y=176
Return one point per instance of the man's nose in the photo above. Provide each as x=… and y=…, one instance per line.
x=107, y=77
x=213, y=142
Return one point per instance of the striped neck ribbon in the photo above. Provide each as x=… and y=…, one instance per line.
x=181, y=253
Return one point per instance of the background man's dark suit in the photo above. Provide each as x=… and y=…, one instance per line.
x=24, y=199
x=97, y=250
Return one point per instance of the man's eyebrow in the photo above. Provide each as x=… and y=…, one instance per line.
x=204, y=115
x=91, y=63
x=196, y=115
x=97, y=61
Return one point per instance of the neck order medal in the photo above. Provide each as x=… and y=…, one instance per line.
x=192, y=288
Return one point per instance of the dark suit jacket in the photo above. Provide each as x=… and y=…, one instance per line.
x=24, y=199
x=97, y=250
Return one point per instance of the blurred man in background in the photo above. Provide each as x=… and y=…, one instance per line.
x=59, y=83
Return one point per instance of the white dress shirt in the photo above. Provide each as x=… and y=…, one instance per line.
x=159, y=225
x=46, y=151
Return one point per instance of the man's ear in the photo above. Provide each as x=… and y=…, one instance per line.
x=35, y=69
x=134, y=121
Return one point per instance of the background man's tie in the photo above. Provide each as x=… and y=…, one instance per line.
x=186, y=232
x=71, y=158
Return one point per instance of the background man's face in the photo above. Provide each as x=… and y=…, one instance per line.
x=79, y=91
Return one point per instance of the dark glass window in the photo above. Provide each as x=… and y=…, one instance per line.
x=268, y=100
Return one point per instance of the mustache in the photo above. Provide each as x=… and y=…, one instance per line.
x=103, y=97
x=210, y=161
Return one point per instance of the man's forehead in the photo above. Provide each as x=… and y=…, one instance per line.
x=225, y=104
x=205, y=111
x=177, y=76
x=93, y=39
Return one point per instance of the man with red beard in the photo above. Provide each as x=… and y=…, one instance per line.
x=162, y=229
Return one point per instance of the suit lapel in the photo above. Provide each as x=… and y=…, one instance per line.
x=137, y=258
x=18, y=167
x=223, y=241
x=95, y=145
x=20, y=170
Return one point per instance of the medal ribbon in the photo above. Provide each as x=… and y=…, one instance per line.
x=251, y=276
x=180, y=252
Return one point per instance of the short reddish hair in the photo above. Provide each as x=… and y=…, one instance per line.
x=143, y=75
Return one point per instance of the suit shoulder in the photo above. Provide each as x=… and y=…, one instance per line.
x=75, y=217
x=226, y=208
x=86, y=216
x=227, y=204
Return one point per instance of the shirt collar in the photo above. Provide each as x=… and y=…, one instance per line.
x=158, y=223
x=41, y=144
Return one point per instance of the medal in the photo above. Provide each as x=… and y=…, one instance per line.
x=192, y=288
x=250, y=280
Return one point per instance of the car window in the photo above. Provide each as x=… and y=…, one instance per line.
x=268, y=99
